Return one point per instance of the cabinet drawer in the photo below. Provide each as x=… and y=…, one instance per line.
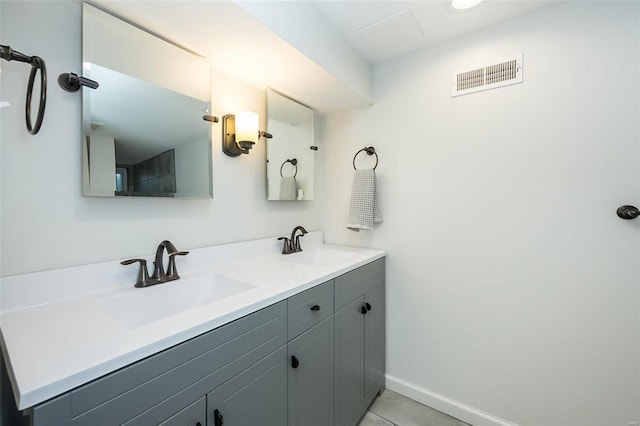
x=309, y=308
x=350, y=286
x=177, y=376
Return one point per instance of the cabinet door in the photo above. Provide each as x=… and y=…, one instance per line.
x=257, y=396
x=349, y=360
x=310, y=377
x=374, y=354
x=193, y=415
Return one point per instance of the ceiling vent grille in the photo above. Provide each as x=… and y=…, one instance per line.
x=485, y=77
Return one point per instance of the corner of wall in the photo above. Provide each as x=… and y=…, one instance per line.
x=442, y=403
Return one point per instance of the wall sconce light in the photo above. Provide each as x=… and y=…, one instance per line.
x=240, y=132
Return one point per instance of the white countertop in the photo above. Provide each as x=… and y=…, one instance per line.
x=56, y=336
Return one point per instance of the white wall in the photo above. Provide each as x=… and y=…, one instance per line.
x=47, y=223
x=302, y=25
x=513, y=289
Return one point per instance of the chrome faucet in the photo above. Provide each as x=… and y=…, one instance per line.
x=159, y=275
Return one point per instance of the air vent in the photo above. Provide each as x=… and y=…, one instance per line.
x=485, y=77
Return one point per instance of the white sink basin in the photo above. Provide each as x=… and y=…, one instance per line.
x=318, y=256
x=140, y=306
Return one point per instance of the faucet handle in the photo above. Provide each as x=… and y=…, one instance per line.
x=143, y=274
x=130, y=261
x=297, y=247
x=172, y=272
x=286, y=247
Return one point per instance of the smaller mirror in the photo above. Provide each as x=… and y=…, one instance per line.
x=290, y=153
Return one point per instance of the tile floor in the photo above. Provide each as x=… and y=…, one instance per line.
x=392, y=409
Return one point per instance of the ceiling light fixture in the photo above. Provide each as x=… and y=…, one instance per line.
x=464, y=4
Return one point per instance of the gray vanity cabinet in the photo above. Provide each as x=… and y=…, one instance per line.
x=310, y=377
x=257, y=396
x=315, y=359
x=193, y=415
x=374, y=342
x=349, y=361
x=359, y=341
x=163, y=386
x=308, y=308
x=310, y=356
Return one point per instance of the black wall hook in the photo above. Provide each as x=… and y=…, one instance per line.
x=628, y=212
x=71, y=82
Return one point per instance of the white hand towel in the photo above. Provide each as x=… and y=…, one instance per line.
x=364, y=208
x=288, y=188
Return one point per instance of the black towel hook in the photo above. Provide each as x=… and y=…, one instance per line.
x=293, y=162
x=370, y=151
x=71, y=82
x=37, y=63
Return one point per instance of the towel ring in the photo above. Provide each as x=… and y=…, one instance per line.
x=293, y=162
x=370, y=151
x=37, y=64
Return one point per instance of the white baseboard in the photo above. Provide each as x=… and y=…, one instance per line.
x=449, y=406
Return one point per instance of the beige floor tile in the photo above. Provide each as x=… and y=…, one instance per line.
x=403, y=411
x=372, y=419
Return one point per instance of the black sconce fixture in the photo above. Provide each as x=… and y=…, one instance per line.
x=240, y=132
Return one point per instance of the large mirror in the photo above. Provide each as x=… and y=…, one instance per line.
x=143, y=128
x=290, y=152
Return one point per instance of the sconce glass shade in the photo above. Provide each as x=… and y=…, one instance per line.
x=247, y=128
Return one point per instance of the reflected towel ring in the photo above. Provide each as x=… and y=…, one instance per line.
x=293, y=162
x=370, y=151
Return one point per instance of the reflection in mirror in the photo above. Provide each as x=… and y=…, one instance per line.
x=144, y=134
x=290, y=153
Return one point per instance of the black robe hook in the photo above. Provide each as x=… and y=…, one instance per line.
x=71, y=82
